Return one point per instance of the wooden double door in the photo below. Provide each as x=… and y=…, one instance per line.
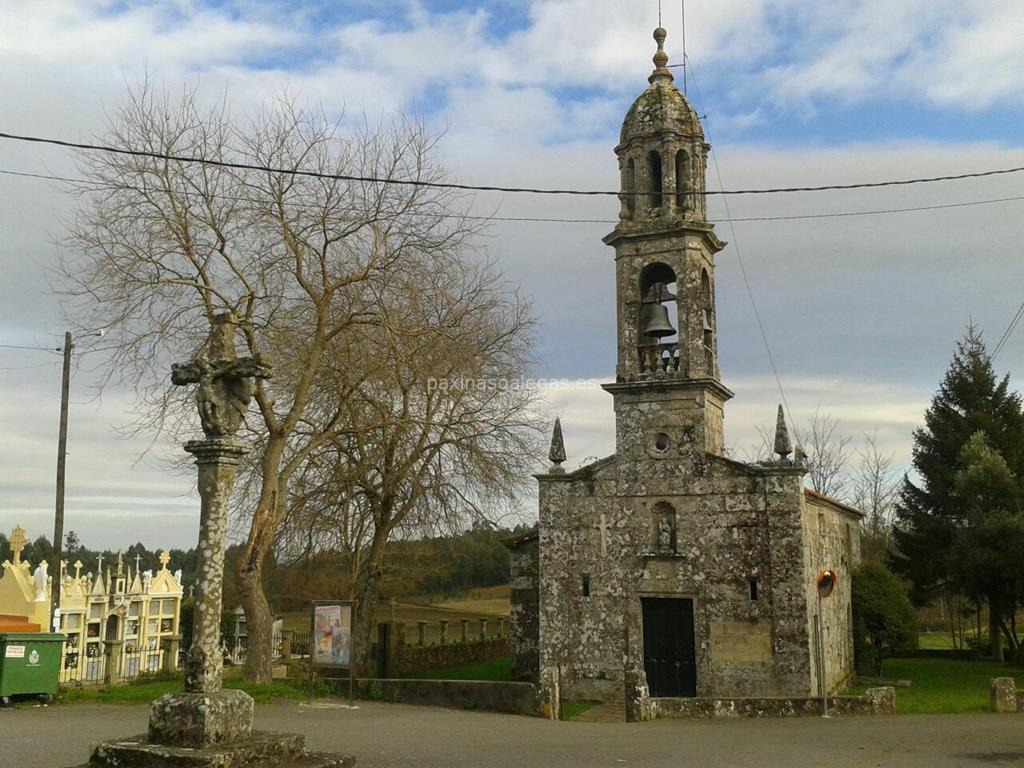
x=670, y=654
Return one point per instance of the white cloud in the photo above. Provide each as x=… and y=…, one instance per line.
x=861, y=313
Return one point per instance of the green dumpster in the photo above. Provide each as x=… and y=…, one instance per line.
x=29, y=664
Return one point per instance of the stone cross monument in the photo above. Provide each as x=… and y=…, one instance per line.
x=205, y=714
x=206, y=726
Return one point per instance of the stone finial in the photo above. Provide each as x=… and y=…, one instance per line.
x=556, y=454
x=661, y=70
x=799, y=456
x=165, y=558
x=78, y=569
x=18, y=541
x=120, y=564
x=782, y=445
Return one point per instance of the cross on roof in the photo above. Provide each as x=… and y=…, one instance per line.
x=18, y=542
x=165, y=558
x=99, y=568
x=137, y=559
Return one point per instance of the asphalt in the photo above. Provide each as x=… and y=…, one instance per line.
x=398, y=736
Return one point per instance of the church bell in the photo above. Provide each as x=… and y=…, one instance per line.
x=656, y=322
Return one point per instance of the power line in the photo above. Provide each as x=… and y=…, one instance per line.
x=743, y=270
x=32, y=349
x=550, y=220
x=488, y=188
x=1008, y=332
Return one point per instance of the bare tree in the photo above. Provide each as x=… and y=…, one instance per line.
x=158, y=246
x=875, y=485
x=828, y=454
x=439, y=435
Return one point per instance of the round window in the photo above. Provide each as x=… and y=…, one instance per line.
x=661, y=442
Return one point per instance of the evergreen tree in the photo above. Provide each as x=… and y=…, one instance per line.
x=986, y=555
x=930, y=512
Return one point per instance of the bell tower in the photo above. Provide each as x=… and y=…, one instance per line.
x=668, y=395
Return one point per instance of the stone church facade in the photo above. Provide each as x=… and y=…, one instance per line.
x=668, y=569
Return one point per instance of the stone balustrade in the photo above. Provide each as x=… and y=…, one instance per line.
x=660, y=358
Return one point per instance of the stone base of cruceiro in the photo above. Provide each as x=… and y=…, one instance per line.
x=201, y=720
x=209, y=730
x=259, y=750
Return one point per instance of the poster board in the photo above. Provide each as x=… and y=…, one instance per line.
x=331, y=636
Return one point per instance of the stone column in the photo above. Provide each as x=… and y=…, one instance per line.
x=465, y=630
x=112, y=652
x=204, y=714
x=483, y=629
x=218, y=463
x=444, y=632
x=501, y=627
x=421, y=628
x=287, y=639
x=169, y=645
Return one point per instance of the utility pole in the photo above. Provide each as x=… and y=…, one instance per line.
x=58, y=515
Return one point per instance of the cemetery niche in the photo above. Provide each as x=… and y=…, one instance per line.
x=118, y=623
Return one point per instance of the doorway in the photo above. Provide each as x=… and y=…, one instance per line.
x=670, y=659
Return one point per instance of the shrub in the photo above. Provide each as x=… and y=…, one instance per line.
x=884, y=623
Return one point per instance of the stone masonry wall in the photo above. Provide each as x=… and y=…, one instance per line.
x=409, y=659
x=831, y=541
x=524, y=609
x=733, y=524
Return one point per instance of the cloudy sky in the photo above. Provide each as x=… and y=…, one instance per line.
x=861, y=312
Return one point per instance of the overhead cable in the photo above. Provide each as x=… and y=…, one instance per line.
x=483, y=187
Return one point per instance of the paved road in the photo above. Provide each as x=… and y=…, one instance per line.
x=397, y=736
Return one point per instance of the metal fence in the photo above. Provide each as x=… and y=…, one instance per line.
x=94, y=667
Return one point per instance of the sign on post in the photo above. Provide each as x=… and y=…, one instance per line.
x=331, y=638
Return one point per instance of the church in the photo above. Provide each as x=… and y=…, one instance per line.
x=669, y=571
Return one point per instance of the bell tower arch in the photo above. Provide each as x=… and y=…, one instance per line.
x=665, y=275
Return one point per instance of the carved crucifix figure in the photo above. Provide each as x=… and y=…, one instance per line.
x=226, y=382
x=603, y=527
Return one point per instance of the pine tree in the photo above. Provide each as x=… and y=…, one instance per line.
x=930, y=511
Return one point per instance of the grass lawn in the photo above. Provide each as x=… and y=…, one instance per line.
x=944, y=686
x=149, y=691
x=496, y=669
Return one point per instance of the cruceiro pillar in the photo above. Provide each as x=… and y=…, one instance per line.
x=205, y=726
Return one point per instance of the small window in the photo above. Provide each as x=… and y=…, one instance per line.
x=681, y=179
x=654, y=178
x=753, y=589
x=630, y=185
x=661, y=442
x=586, y=585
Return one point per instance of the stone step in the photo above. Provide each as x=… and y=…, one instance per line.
x=609, y=712
x=261, y=750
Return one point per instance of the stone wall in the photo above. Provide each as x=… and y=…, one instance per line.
x=524, y=612
x=875, y=701
x=408, y=659
x=831, y=541
x=507, y=697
